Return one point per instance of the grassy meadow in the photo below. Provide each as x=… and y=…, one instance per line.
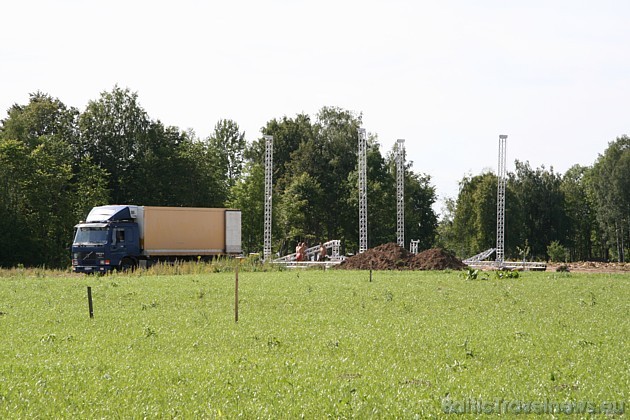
x=309, y=343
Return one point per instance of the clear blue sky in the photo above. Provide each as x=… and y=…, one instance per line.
x=447, y=76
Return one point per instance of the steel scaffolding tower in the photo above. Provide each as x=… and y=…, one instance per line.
x=363, y=241
x=400, y=192
x=268, y=195
x=501, y=181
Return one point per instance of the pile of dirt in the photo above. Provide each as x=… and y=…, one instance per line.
x=383, y=257
x=392, y=257
x=436, y=259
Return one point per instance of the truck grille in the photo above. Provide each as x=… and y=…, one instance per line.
x=85, y=258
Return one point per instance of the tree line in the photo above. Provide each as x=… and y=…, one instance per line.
x=56, y=163
x=583, y=214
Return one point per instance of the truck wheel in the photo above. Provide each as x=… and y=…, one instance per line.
x=127, y=264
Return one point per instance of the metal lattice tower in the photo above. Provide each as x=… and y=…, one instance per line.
x=400, y=192
x=501, y=178
x=363, y=241
x=268, y=195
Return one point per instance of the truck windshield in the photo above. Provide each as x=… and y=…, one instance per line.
x=91, y=235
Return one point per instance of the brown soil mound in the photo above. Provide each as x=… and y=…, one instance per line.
x=392, y=257
x=383, y=257
x=436, y=259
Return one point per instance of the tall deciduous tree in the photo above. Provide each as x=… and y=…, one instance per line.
x=474, y=222
x=447, y=236
x=202, y=181
x=42, y=116
x=610, y=188
x=298, y=221
x=42, y=174
x=337, y=137
x=89, y=187
x=229, y=143
x=248, y=195
x=542, y=203
x=114, y=129
x=17, y=245
x=580, y=213
x=50, y=200
x=420, y=218
x=288, y=134
x=148, y=163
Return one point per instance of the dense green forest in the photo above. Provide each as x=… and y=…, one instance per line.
x=57, y=162
x=583, y=214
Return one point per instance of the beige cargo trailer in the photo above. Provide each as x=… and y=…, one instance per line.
x=189, y=231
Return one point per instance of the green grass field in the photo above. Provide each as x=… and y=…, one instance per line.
x=310, y=343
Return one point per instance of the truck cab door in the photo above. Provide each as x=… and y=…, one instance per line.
x=132, y=240
x=119, y=245
x=125, y=240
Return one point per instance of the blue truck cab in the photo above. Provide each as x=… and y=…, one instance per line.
x=108, y=239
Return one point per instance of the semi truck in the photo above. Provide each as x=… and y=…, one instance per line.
x=124, y=237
